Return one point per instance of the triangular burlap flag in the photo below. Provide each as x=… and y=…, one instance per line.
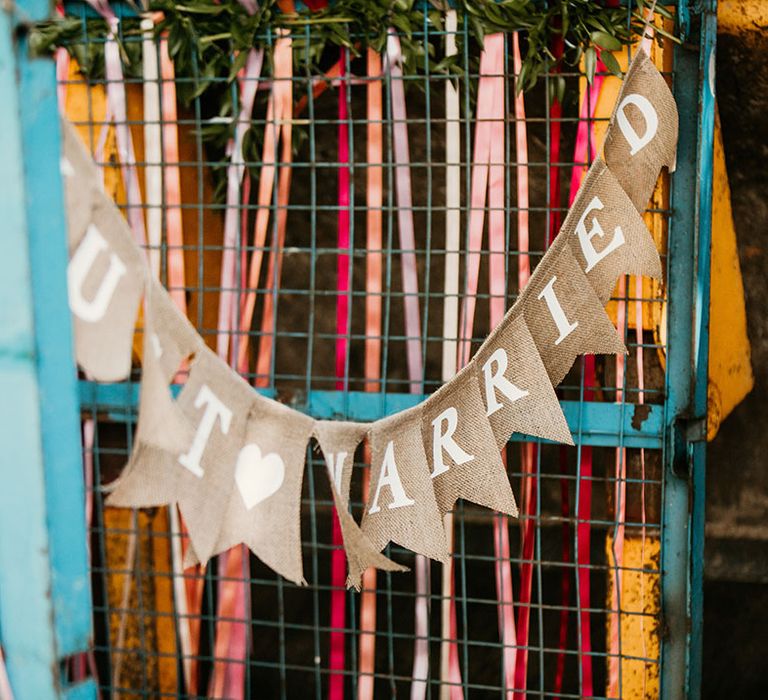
x=338, y=441
x=82, y=180
x=105, y=280
x=264, y=511
x=461, y=449
x=642, y=134
x=606, y=234
x=517, y=394
x=162, y=423
x=564, y=315
x=201, y=479
x=172, y=337
x=401, y=506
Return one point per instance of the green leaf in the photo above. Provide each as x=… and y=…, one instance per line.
x=237, y=65
x=590, y=63
x=605, y=41
x=611, y=63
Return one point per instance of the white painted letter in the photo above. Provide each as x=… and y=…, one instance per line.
x=585, y=237
x=335, y=464
x=497, y=381
x=558, y=315
x=92, y=244
x=636, y=141
x=214, y=409
x=390, y=477
x=444, y=441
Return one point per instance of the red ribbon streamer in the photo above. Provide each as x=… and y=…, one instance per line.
x=338, y=558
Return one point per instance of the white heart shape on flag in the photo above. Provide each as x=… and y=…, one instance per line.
x=258, y=476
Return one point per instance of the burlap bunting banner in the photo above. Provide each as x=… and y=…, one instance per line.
x=105, y=279
x=216, y=402
x=564, y=315
x=172, y=338
x=82, y=181
x=233, y=460
x=265, y=506
x=517, y=394
x=606, y=234
x=338, y=441
x=464, y=459
x=401, y=505
x=642, y=134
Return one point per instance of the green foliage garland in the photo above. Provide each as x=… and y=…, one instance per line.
x=208, y=40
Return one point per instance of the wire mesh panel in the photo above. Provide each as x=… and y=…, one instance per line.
x=588, y=541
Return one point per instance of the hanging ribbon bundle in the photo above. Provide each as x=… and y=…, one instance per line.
x=233, y=460
x=558, y=316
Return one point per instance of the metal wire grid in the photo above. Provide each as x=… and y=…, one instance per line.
x=289, y=626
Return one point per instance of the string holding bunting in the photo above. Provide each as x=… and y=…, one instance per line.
x=233, y=461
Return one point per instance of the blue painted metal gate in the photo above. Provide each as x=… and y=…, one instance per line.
x=45, y=583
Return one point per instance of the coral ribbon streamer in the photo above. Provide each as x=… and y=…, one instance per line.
x=278, y=129
x=338, y=558
x=284, y=88
x=230, y=652
x=188, y=594
x=412, y=326
x=373, y=308
x=232, y=638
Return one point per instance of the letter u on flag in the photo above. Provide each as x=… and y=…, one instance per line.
x=105, y=280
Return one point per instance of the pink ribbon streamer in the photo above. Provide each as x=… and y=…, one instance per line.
x=235, y=169
x=412, y=327
x=338, y=558
x=117, y=102
x=620, y=494
x=278, y=128
x=228, y=679
x=585, y=151
x=405, y=214
x=488, y=177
